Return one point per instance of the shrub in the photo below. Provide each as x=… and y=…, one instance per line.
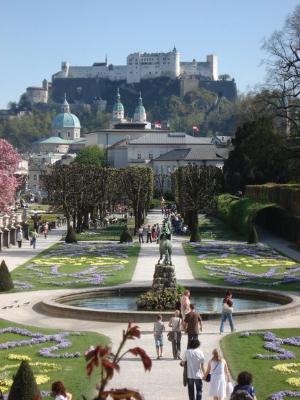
x=159, y=300
x=125, y=236
x=24, y=386
x=6, y=282
x=71, y=235
x=240, y=214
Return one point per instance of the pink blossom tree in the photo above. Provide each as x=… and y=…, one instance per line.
x=9, y=160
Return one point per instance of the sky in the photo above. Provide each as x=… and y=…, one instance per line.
x=37, y=35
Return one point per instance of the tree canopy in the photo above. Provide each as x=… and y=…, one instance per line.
x=260, y=155
x=91, y=155
x=195, y=188
x=9, y=160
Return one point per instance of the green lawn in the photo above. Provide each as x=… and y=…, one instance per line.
x=213, y=268
x=240, y=351
x=94, y=264
x=111, y=232
x=70, y=371
x=213, y=228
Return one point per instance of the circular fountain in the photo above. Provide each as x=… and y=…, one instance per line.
x=117, y=304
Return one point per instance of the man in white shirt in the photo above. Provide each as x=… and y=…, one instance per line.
x=194, y=358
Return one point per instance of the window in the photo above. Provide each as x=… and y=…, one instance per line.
x=34, y=177
x=150, y=156
x=139, y=156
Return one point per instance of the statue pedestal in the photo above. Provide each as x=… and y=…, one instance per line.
x=164, y=277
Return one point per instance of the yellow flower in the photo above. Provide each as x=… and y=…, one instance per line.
x=290, y=368
x=294, y=381
x=19, y=357
x=5, y=385
x=40, y=379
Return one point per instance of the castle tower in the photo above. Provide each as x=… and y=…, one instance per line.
x=65, y=124
x=140, y=112
x=118, y=109
x=177, y=61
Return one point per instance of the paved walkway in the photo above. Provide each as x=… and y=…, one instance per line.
x=14, y=256
x=149, y=255
x=279, y=244
x=164, y=382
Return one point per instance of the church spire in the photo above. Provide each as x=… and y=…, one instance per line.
x=118, y=109
x=140, y=112
x=65, y=105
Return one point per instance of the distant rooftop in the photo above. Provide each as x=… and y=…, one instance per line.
x=208, y=152
x=171, y=138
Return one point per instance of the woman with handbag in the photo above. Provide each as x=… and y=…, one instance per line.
x=217, y=375
x=176, y=325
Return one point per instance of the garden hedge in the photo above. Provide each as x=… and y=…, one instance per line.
x=241, y=213
x=286, y=196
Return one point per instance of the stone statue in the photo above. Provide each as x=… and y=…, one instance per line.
x=165, y=245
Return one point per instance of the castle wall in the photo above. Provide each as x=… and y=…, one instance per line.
x=37, y=95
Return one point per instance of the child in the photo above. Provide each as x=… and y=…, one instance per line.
x=158, y=330
x=244, y=389
x=59, y=392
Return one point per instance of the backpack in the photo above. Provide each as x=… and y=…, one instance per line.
x=241, y=394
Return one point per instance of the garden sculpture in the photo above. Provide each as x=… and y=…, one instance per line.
x=165, y=245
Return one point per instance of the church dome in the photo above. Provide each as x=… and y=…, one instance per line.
x=65, y=119
x=118, y=108
x=140, y=112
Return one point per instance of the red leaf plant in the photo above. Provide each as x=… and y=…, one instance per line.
x=108, y=362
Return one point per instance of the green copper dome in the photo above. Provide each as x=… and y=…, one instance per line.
x=65, y=119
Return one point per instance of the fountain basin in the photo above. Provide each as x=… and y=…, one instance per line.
x=59, y=306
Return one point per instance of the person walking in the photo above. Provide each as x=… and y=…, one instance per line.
x=158, y=330
x=219, y=376
x=141, y=234
x=185, y=303
x=153, y=232
x=19, y=237
x=149, y=238
x=227, y=310
x=46, y=230
x=34, y=236
x=192, y=325
x=194, y=359
x=176, y=325
x=58, y=391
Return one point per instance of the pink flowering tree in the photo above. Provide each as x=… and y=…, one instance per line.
x=9, y=160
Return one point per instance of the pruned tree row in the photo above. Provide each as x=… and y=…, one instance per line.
x=90, y=191
x=195, y=188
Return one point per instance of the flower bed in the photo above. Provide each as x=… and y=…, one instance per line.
x=38, y=338
x=272, y=379
x=74, y=265
x=46, y=370
x=240, y=263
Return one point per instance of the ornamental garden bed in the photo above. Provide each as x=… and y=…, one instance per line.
x=52, y=354
x=78, y=266
x=241, y=264
x=273, y=357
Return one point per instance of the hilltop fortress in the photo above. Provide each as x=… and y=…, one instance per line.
x=85, y=84
x=141, y=66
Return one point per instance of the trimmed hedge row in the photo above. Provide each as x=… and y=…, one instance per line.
x=286, y=196
x=241, y=213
